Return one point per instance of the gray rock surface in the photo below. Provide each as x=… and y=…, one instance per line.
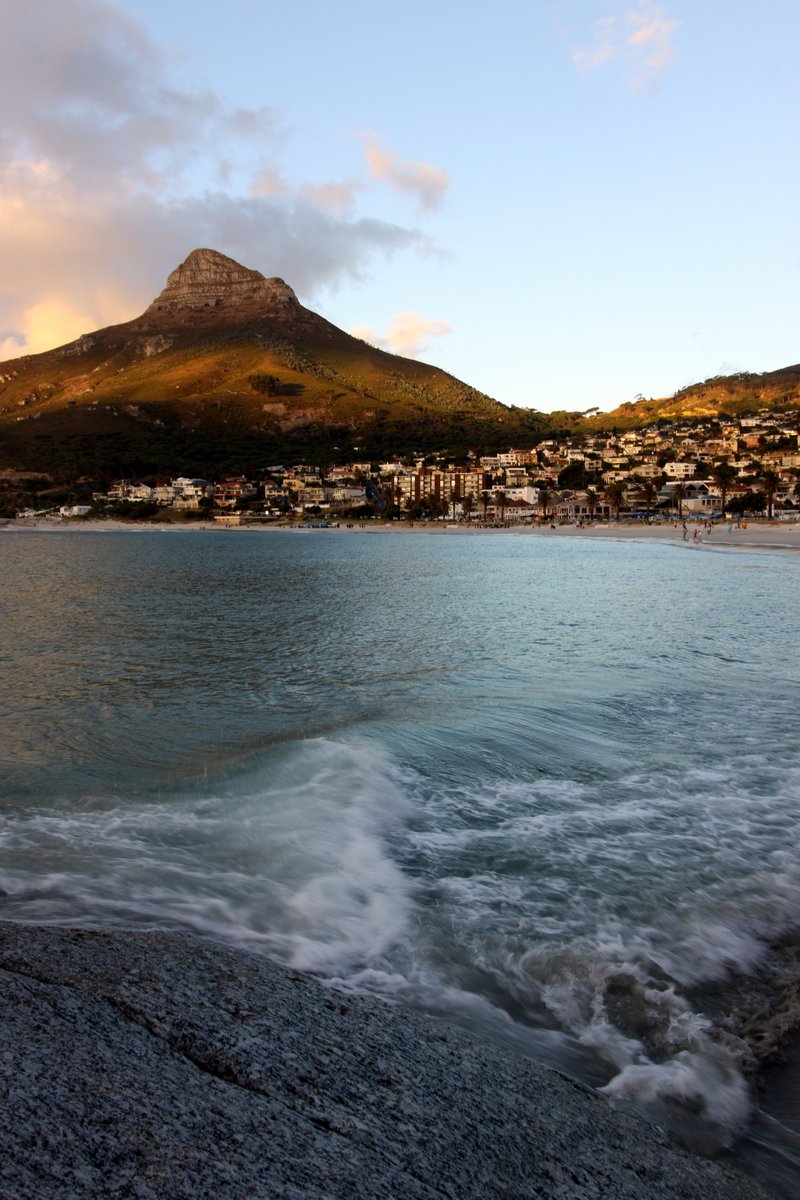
x=159, y=1066
x=208, y=280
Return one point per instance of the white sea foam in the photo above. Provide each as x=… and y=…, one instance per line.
x=708, y=1084
x=292, y=859
x=555, y=915
x=563, y=900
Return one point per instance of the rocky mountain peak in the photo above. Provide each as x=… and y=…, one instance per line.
x=209, y=284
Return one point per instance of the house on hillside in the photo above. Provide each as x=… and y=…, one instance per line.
x=679, y=470
x=699, y=498
x=137, y=493
x=190, y=493
x=231, y=492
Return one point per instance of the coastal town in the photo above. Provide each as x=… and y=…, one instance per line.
x=694, y=469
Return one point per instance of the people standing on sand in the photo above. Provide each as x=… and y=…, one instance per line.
x=685, y=531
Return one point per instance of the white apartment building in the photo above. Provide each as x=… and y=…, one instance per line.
x=516, y=476
x=515, y=458
x=345, y=495
x=679, y=470
x=188, y=493
x=529, y=494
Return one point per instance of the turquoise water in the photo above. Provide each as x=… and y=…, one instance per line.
x=542, y=786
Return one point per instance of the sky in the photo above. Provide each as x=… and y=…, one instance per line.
x=564, y=203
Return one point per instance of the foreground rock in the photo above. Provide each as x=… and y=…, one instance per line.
x=158, y=1066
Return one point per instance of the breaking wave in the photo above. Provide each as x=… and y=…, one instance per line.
x=549, y=915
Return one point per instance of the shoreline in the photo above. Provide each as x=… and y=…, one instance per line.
x=767, y=535
x=187, y=1067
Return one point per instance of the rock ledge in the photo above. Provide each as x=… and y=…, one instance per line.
x=162, y=1067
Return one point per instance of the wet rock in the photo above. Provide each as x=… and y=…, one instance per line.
x=159, y=1066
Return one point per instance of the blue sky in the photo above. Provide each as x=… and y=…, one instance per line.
x=563, y=204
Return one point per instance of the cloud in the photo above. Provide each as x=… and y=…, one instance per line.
x=332, y=197
x=335, y=197
x=641, y=38
x=604, y=48
x=427, y=183
x=269, y=183
x=89, y=260
x=408, y=334
x=85, y=88
x=110, y=175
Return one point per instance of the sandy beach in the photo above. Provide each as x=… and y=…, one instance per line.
x=750, y=535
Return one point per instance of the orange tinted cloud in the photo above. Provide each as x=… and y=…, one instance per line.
x=100, y=155
x=336, y=197
x=408, y=334
x=427, y=183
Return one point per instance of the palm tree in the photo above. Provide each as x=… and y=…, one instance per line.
x=679, y=494
x=770, y=481
x=437, y=507
x=544, y=499
x=648, y=493
x=467, y=505
x=486, y=496
x=615, y=495
x=501, y=500
x=723, y=475
x=591, y=497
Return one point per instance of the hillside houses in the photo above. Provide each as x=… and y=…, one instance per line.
x=687, y=468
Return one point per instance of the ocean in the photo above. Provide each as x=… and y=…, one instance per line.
x=547, y=788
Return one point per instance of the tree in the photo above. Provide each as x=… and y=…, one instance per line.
x=501, y=500
x=268, y=384
x=615, y=495
x=648, y=494
x=770, y=481
x=544, y=500
x=427, y=508
x=486, y=496
x=592, y=498
x=390, y=491
x=723, y=475
x=467, y=505
x=748, y=502
x=679, y=495
x=576, y=475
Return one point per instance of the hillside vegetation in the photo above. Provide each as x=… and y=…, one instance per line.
x=722, y=395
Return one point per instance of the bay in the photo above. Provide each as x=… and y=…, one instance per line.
x=548, y=788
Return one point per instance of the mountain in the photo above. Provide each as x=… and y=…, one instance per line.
x=226, y=369
x=722, y=395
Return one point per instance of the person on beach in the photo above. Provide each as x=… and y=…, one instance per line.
x=685, y=531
